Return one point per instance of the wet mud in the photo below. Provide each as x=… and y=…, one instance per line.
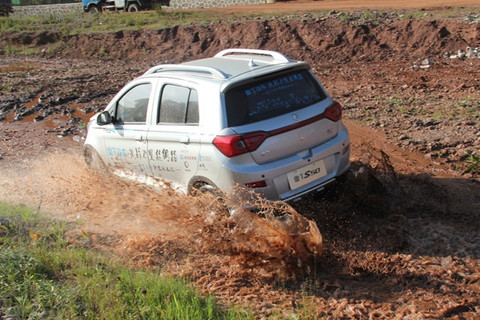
x=390, y=240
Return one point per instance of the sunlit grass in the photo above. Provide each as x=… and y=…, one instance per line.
x=44, y=276
x=87, y=23
x=473, y=163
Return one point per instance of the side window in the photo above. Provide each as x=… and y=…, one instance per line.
x=132, y=107
x=178, y=105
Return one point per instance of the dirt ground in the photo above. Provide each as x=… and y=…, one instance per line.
x=401, y=236
x=307, y=5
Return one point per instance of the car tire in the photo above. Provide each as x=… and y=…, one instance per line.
x=204, y=188
x=93, y=9
x=133, y=8
x=94, y=161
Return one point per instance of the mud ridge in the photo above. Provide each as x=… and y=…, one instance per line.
x=315, y=39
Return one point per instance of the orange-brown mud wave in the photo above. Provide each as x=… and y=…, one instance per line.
x=160, y=227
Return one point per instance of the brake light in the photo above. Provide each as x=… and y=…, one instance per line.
x=237, y=144
x=334, y=112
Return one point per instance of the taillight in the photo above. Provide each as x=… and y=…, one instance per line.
x=334, y=112
x=237, y=144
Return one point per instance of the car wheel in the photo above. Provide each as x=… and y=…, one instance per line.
x=205, y=188
x=94, y=161
x=133, y=8
x=93, y=9
x=202, y=187
x=211, y=196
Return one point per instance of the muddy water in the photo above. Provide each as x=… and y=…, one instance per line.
x=138, y=217
x=52, y=121
x=78, y=113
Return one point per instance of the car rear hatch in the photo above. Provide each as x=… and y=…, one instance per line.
x=302, y=134
x=281, y=115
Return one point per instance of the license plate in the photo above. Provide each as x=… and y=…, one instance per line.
x=307, y=174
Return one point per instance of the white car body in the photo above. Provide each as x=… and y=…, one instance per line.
x=249, y=118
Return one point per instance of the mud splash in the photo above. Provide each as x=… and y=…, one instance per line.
x=393, y=241
x=164, y=228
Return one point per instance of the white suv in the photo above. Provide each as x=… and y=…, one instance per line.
x=250, y=118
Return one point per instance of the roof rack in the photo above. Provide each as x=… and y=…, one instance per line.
x=187, y=68
x=277, y=57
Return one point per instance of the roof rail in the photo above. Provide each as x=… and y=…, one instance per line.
x=187, y=68
x=277, y=57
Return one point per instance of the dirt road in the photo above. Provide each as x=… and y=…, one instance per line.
x=308, y=5
x=401, y=235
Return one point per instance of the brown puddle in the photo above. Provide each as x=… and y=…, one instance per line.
x=10, y=117
x=30, y=118
x=34, y=101
x=55, y=120
x=80, y=114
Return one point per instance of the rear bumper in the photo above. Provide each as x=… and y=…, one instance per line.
x=318, y=187
x=334, y=153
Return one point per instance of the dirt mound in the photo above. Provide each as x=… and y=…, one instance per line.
x=311, y=39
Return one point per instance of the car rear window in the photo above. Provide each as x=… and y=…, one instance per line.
x=271, y=96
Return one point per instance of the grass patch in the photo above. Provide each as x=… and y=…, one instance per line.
x=19, y=51
x=86, y=23
x=473, y=163
x=43, y=276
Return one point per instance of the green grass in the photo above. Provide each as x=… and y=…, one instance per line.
x=473, y=163
x=43, y=276
x=87, y=23
x=19, y=50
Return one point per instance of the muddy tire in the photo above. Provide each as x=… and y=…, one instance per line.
x=205, y=188
x=133, y=8
x=93, y=9
x=94, y=161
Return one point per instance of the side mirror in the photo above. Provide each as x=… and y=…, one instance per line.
x=104, y=118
